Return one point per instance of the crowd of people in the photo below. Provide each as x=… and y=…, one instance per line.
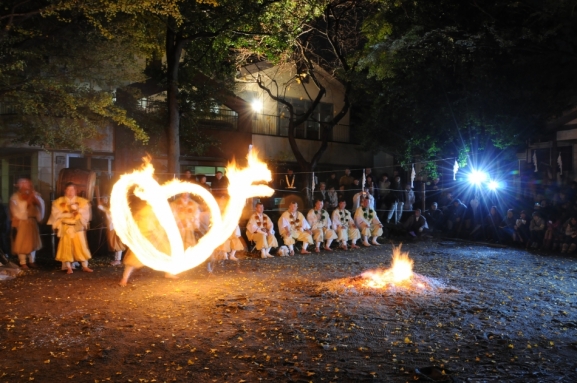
x=543, y=217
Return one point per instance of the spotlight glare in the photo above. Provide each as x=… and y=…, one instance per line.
x=257, y=106
x=476, y=177
x=493, y=185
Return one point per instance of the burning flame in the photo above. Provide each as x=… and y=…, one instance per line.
x=401, y=270
x=240, y=188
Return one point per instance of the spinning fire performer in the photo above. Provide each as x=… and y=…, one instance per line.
x=368, y=223
x=70, y=216
x=260, y=229
x=26, y=210
x=114, y=243
x=187, y=215
x=294, y=227
x=153, y=231
x=321, y=225
x=344, y=226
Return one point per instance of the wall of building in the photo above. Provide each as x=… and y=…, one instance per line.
x=337, y=154
x=280, y=80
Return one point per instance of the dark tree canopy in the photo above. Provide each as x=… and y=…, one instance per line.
x=452, y=76
x=60, y=62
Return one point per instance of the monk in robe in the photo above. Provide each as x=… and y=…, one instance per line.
x=70, y=217
x=26, y=210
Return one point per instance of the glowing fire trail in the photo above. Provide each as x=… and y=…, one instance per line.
x=240, y=188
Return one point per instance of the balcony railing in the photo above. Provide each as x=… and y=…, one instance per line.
x=270, y=125
x=222, y=120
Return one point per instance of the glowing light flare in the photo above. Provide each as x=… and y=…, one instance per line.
x=493, y=185
x=477, y=177
x=401, y=271
x=222, y=223
x=256, y=106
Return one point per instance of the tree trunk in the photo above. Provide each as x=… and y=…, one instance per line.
x=173, y=54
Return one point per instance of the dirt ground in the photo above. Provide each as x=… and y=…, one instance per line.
x=498, y=315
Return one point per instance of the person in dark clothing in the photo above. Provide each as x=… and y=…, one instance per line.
x=322, y=194
x=507, y=227
x=553, y=233
x=219, y=185
x=418, y=189
x=332, y=181
x=416, y=224
x=288, y=182
x=455, y=216
x=434, y=191
x=492, y=222
x=522, y=234
x=398, y=200
x=569, y=236
x=537, y=230
x=435, y=217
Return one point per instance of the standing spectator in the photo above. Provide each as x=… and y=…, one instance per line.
x=333, y=200
x=433, y=190
x=202, y=182
x=397, y=200
x=492, y=222
x=409, y=198
x=26, y=210
x=553, y=233
x=332, y=181
x=474, y=218
x=372, y=187
x=346, y=180
x=342, y=193
x=537, y=230
x=455, y=216
x=507, y=227
x=70, y=216
x=446, y=200
x=289, y=181
x=322, y=193
x=545, y=210
x=188, y=177
x=219, y=185
x=369, y=173
x=522, y=234
x=384, y=186
x=384, y=190
x=434, y=217
x=418, y=189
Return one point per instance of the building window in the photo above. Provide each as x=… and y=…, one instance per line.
x=311, y=129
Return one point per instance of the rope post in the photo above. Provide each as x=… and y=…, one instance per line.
x=424, y=191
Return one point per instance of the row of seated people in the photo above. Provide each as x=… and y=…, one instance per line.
x=537, y=229
x=318, y=228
